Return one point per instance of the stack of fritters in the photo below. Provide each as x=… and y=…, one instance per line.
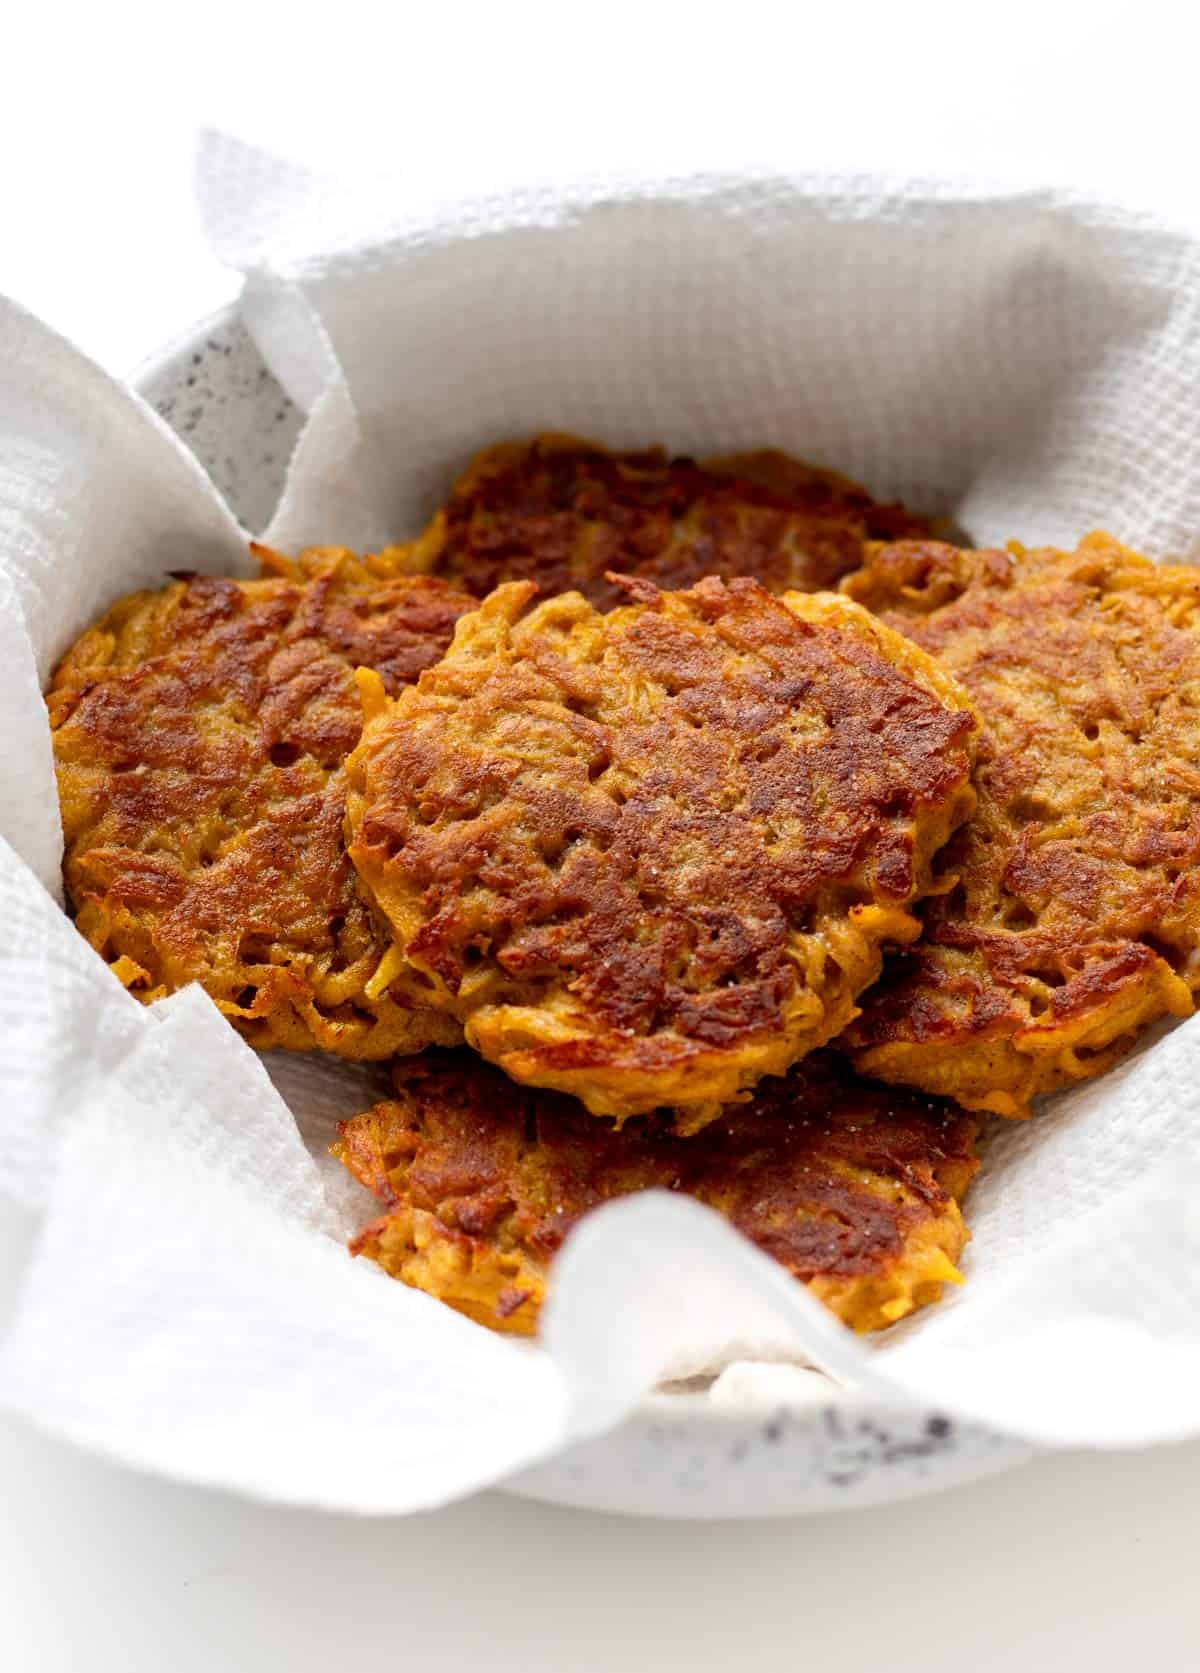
x=594, y=776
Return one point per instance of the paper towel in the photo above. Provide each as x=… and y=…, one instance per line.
x=1022, y=363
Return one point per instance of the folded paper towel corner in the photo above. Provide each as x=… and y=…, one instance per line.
x=1024, y=365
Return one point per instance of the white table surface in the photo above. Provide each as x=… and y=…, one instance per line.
x=1092, y=1557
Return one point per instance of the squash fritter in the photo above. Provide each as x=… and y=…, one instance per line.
x=853, y=1188
x=563, y=513
x=650, y=856
x=1068, y=916
x=199, y=734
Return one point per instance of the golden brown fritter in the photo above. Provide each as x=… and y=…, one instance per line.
x=853, y=1188
x=649, y=856
x=563, y=512
x=1071, y=912
x=199, y=735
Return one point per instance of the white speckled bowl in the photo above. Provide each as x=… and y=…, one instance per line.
x=681, y=1455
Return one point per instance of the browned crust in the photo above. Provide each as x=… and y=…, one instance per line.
x=563, y=513
x=1070, y=917
x=199, y=734
x=853, y=1188
x=648, y=856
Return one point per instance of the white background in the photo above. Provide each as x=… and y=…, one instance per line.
x=1091, y=1557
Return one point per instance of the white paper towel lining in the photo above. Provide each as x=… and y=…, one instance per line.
x=1024, y=364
